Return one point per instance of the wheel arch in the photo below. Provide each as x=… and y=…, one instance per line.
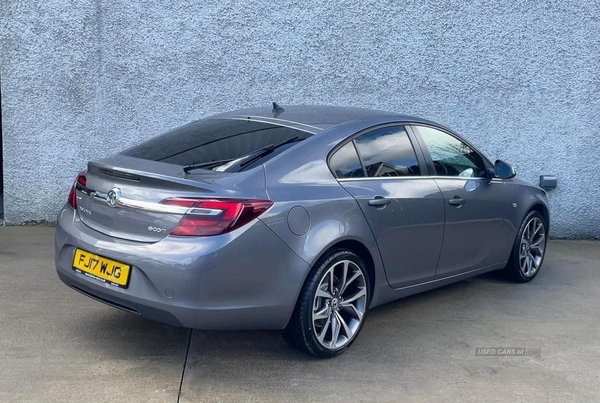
x=513, y=269
x=543, y=210
x=365, y=255
x=362, y=251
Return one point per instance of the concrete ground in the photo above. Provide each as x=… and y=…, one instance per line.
x=59, y=346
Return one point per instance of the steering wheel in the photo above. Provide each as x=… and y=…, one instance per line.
x=437, y=166
x=381, y=164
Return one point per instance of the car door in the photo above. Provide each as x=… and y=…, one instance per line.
x=476, y=207
x=404, y=209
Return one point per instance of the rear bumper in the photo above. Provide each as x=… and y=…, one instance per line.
x=247, y=279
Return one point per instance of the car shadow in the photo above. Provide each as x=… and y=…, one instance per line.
x=124, y=335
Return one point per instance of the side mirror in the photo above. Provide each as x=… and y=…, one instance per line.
x=503, y=170
x=548, y=182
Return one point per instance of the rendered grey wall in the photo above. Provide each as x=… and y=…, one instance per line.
x=84, y=79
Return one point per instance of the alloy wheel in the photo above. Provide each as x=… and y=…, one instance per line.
x=532, y=247
x=339, y=305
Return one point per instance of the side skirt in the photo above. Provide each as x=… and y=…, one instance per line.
x=389, y=294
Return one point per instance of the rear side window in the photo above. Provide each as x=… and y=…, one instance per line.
x=345, y=162
x=216, y=142
x=387, y=151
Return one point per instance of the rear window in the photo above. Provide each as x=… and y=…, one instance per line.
x=387, y=151
x=216, y=142
x=346, y=164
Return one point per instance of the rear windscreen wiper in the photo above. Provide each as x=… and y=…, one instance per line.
x=264, y=151
x=244, y=160
x=191, y=167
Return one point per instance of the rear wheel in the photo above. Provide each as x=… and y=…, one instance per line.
x=332, y=306
x=529, y=249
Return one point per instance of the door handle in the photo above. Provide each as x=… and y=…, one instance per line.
x=456, y=201
x=378, y=201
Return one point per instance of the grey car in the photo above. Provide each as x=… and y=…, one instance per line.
x=297, y=218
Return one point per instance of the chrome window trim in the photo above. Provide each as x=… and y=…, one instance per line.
x=296, y=126
x=286, y=121
x=417, y=177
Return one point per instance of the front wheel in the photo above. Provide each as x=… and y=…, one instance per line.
x=332, y=305
x=529, y=249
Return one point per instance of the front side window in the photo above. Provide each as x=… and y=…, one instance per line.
x=387, y=151
x=452, y=157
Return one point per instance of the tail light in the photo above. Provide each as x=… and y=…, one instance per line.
x=82, y=180
x=215, y=216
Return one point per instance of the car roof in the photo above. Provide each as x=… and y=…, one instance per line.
x=318, y=117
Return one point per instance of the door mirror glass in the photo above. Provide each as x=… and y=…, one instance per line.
x=503, y=170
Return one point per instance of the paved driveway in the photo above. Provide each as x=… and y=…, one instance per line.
x=56, y=345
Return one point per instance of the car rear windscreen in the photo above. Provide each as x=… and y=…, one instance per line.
x=213, y=140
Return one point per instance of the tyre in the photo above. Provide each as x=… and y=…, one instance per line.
x=332, y=305
x=529, y=249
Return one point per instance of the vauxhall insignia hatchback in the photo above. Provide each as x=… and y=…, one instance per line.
x=299, y=218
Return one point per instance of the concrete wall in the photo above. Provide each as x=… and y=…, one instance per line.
x=84, y=79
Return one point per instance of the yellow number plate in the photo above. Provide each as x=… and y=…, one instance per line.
x=101, y=268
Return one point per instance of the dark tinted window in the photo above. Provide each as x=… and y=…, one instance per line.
x=452, y=157
x=345, y=163
x=213, y=140
x=388, y=152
